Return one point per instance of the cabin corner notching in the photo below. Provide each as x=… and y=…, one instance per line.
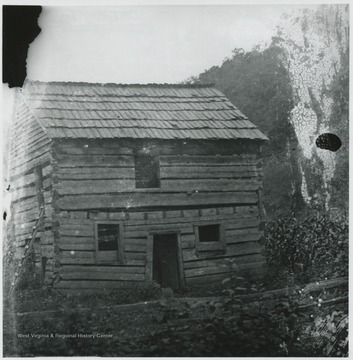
x=140, y=184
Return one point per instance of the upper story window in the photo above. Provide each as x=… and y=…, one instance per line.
x=146, y=171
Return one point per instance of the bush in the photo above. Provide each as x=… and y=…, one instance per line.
x=307, y=250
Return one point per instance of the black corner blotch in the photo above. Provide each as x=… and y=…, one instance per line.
x=4, y=215
x=20, y=28
x=328, y=141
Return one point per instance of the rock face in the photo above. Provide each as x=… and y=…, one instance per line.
x=316, y=47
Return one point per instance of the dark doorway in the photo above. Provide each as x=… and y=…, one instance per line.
x=165, y=260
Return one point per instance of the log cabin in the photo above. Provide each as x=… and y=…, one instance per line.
x=139, y=185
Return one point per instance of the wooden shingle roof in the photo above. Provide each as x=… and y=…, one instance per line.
x=86, y=110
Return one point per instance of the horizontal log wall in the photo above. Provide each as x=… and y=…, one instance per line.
x=95, y=181
x=30, y=147
x=75, y=240
x=101, y=175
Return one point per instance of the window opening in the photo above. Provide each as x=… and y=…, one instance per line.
x=108, y=237
x=146, y=171
x=209, y=233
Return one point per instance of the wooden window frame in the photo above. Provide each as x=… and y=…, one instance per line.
x=149, y=256
x=113, y=256
x=210, y=246
x=156, y=158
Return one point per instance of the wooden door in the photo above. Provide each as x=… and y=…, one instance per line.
x=165, y=260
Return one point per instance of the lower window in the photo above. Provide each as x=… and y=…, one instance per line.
x=109, y=246
x=108, y=237
x=209, y=233
x=210, y=238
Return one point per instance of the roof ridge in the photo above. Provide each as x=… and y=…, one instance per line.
x=155, y=85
